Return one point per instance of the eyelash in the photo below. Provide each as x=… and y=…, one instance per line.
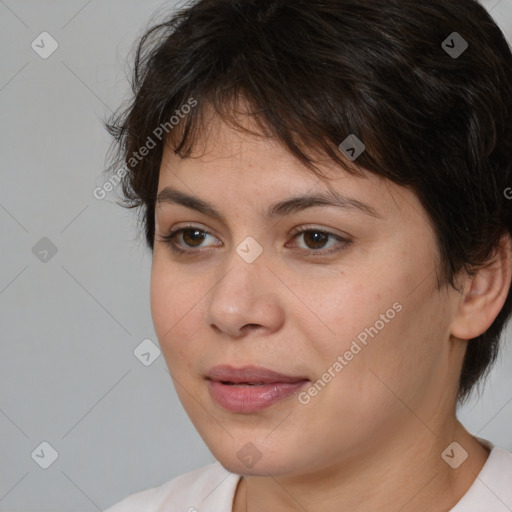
x=169, y=239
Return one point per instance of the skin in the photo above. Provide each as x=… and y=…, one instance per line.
x=372, y=439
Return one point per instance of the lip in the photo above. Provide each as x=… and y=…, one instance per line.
x=231, y=387
x=250, y=374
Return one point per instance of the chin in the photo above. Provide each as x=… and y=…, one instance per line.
x=251, y=461
x=259, y=469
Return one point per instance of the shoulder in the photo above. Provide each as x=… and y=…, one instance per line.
x=207, y=488
x=492, y=489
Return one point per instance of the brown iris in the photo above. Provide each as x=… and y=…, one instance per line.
x=196, y=238
x=316, y=237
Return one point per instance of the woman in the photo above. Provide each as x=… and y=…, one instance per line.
x=324, y=193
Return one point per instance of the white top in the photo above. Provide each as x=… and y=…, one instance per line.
x=212, y=489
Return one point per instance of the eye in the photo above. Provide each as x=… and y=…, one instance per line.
x=189, y=236
x=187, y=239
x=316, y=241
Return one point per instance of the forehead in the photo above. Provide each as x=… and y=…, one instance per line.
x=232, y=167
x=219, y=148
x=247, y=138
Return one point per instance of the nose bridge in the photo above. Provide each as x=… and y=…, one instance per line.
x=243, y=294
x=246, y=265
x=241, y=283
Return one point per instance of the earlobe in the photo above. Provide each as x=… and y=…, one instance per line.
x=484, y=293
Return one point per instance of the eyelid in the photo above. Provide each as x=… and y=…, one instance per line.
x=191, y=225
x=320, y=229
x=343, y=240
x=169, y=240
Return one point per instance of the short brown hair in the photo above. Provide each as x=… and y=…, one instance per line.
x=316, y=71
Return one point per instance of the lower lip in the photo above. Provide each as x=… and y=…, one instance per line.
x=251, y=398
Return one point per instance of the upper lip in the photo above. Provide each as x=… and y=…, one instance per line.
x=248, y=374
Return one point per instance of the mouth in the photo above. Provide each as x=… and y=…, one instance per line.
x=250, y=375
x=242, y=383
x=250, y=388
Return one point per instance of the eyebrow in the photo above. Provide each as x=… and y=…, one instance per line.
x=295, y=204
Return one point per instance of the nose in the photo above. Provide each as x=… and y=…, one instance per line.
x=246, y=298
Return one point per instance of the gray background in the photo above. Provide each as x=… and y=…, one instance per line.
x=70, y=324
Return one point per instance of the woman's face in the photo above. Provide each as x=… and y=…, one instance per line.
x=353, y=317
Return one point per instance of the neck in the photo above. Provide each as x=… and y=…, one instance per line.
x=407, y=473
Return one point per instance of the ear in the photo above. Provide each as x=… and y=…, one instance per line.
x=484, y=293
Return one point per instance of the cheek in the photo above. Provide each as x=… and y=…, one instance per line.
x=373, y=392
x=345, y=310
x=176, y=314
x=387, y=364
x=384, y=327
